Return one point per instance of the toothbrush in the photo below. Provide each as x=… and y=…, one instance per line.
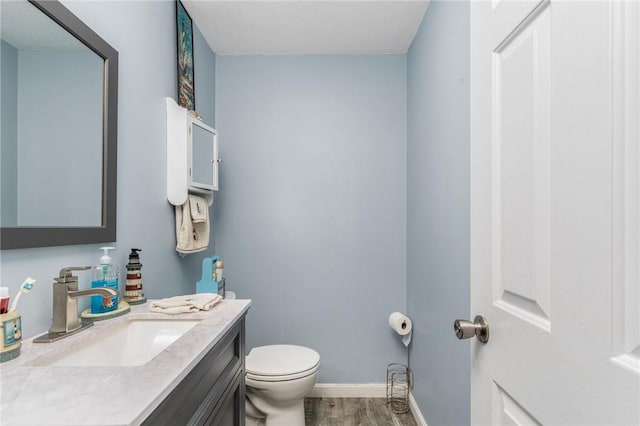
x=26, y=287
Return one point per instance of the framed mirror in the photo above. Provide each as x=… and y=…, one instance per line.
x=59, y=128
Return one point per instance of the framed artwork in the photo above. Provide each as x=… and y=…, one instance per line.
x=186, y=89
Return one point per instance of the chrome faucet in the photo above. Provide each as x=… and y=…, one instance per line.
x=66, y=320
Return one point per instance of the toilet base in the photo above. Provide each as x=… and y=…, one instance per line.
x=251, y=421
x=292, y=415
x=253, y=416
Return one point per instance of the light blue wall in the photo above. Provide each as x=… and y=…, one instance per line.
x=311, y=214
x=9, y=134
x=144, y=35
x=203, y=73
x=204, y=82
x=52, y=136
x=438, y=210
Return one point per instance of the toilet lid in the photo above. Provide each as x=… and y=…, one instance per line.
x=280, y=360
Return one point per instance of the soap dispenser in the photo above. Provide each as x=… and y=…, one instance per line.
x=105, y=274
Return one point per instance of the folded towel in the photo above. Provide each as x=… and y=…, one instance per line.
x=185, y=304
x=199, y=209
x=192, y=236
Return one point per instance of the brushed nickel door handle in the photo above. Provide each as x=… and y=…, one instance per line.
x=479, y=327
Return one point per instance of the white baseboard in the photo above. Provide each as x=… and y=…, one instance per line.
x=349, y=390
x=415, y=410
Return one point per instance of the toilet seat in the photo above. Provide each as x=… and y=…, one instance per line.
x=274, y=363
x=283, y=378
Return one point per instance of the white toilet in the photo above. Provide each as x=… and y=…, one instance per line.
x=278, y=378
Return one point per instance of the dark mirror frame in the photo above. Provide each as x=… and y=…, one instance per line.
x=28, y=237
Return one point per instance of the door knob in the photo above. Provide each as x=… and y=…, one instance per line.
x=479, y=327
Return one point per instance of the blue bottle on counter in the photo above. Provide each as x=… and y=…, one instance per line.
x=105, y=274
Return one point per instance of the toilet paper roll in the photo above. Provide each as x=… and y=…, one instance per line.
x=400, y=323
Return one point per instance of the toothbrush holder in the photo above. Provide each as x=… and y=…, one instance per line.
x=11, y=337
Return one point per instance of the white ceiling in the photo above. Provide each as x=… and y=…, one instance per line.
x=299, y=27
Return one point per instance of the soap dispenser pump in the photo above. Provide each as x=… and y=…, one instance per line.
x=105, y=274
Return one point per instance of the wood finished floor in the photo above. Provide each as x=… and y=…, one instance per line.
x=353, y=412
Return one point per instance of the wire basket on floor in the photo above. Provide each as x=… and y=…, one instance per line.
x=398, y=385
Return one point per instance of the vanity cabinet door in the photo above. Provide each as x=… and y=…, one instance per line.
x=201, y=395
x=231, y=412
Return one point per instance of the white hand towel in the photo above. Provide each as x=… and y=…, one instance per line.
x=192, y=236
x=199, y=209
x=185, y=304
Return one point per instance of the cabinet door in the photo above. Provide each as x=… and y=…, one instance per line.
x=203, y=155
x=199, y=396
x=231, y=411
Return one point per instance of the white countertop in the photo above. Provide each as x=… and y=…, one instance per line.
x=100, y=396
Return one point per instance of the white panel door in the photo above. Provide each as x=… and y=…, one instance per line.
x=555, y=201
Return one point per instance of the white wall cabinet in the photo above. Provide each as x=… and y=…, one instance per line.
x=192, y=156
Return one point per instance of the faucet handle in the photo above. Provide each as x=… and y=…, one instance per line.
x=66, y=275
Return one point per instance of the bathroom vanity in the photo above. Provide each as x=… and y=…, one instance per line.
x=198, y=379
x=213, y=392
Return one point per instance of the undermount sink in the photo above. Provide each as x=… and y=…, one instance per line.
x=134, y=342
